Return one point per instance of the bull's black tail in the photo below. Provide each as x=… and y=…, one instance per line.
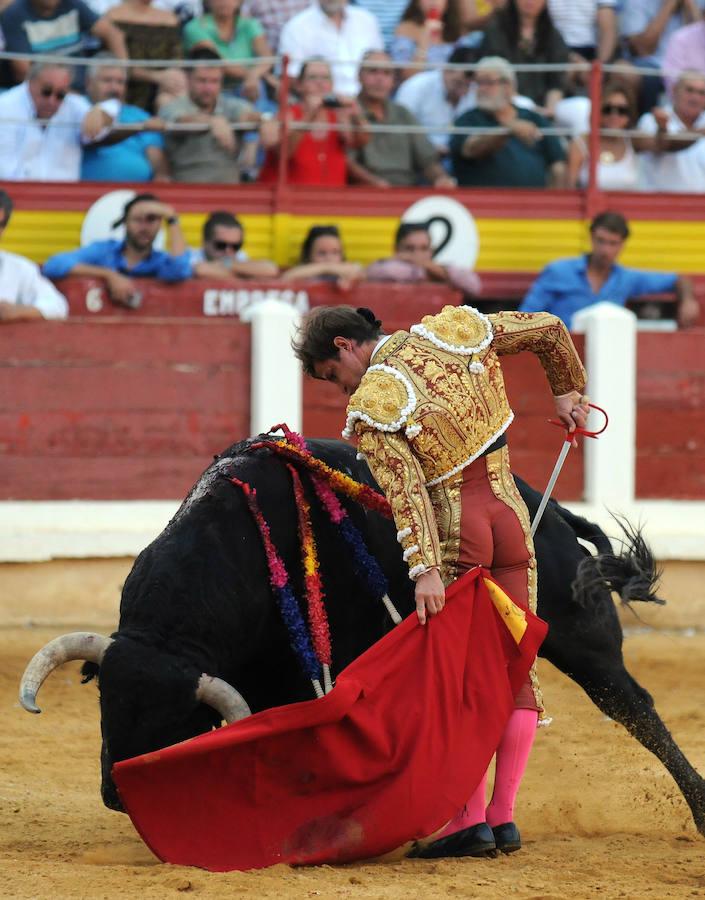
x=631, y=573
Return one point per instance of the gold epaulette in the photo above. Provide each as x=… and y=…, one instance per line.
x=458, y=329
x=385, y=399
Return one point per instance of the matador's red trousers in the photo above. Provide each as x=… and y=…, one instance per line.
x=494, y=533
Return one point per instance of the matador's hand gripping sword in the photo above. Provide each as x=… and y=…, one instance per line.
x=567, y=443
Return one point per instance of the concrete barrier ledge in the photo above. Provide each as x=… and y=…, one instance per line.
x=33, y=531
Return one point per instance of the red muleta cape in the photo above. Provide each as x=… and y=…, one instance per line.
x=388, y=756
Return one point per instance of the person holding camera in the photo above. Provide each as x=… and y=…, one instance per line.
x=315, y=155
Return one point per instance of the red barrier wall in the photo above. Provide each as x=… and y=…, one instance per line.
x=133, y=404
x=118, y=409
x=670, y=459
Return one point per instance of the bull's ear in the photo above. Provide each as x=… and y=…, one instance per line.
x=89, y=670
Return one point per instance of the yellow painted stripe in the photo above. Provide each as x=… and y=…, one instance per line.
x=506, y=245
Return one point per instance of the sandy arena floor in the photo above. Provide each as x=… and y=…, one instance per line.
x=599, y=815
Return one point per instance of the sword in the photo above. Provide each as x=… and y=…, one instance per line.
x=567, y=443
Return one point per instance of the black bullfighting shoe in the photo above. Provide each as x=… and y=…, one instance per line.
x=477, y=840
x=507, y=837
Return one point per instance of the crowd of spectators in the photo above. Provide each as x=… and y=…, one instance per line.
x=355, y=67
x=564, y=287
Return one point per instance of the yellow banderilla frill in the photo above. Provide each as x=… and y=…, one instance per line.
x=512, y=615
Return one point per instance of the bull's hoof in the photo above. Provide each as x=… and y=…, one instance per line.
x=477, y=840
x=507, y=837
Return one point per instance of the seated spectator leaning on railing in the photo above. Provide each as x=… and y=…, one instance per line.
x=683, y=168
x=211, y=154
x=618, y=168
x=413, y=261
x=323, y=259
x=32, y=151
x=139, y=156
x=60, y=27
x=568, y=285
x=617, y=164
x=427, y=33
x=437, y=97
x=333, y=30
x=318, y=156
x=221, y=254
x=521, y=156
x=24, y=293
x=118, y=262
x=391, y=158
x=522, y=32
x=236, y=39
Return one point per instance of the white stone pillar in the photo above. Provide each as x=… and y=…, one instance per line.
x=610, y=360
x=276, y=376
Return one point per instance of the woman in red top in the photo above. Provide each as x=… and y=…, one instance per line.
x=317, y=156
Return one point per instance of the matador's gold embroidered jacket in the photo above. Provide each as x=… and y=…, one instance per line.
x=433, y=400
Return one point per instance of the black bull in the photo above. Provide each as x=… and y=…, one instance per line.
x=198, y=601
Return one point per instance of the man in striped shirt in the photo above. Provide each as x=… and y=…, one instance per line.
x=273, y=15
x=588, y=27
x=387, y=12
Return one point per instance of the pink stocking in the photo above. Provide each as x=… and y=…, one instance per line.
x=512, y=756
x=471, y=814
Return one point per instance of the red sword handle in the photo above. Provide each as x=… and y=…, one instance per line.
x=584, y=431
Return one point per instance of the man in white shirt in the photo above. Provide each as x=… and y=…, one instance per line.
x=684, y=170
x=25, y=293
x=438, y=97
x=30, y=151
x=331, y=30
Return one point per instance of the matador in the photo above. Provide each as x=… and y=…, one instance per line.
x=430, y=412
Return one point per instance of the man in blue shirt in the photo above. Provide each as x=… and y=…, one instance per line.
x=118, y=262
x=568, y=285
x=140, y=155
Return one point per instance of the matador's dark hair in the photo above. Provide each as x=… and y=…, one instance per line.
x=314, y=340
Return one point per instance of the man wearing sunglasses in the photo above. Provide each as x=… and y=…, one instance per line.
x=44, y=127
x=222, y=256
x=24, y=294
x=118, y=262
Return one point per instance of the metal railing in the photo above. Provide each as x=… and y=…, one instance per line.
x=596, y=70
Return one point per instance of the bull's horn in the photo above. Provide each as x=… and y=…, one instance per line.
x=222, y=697
x=77, y=645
